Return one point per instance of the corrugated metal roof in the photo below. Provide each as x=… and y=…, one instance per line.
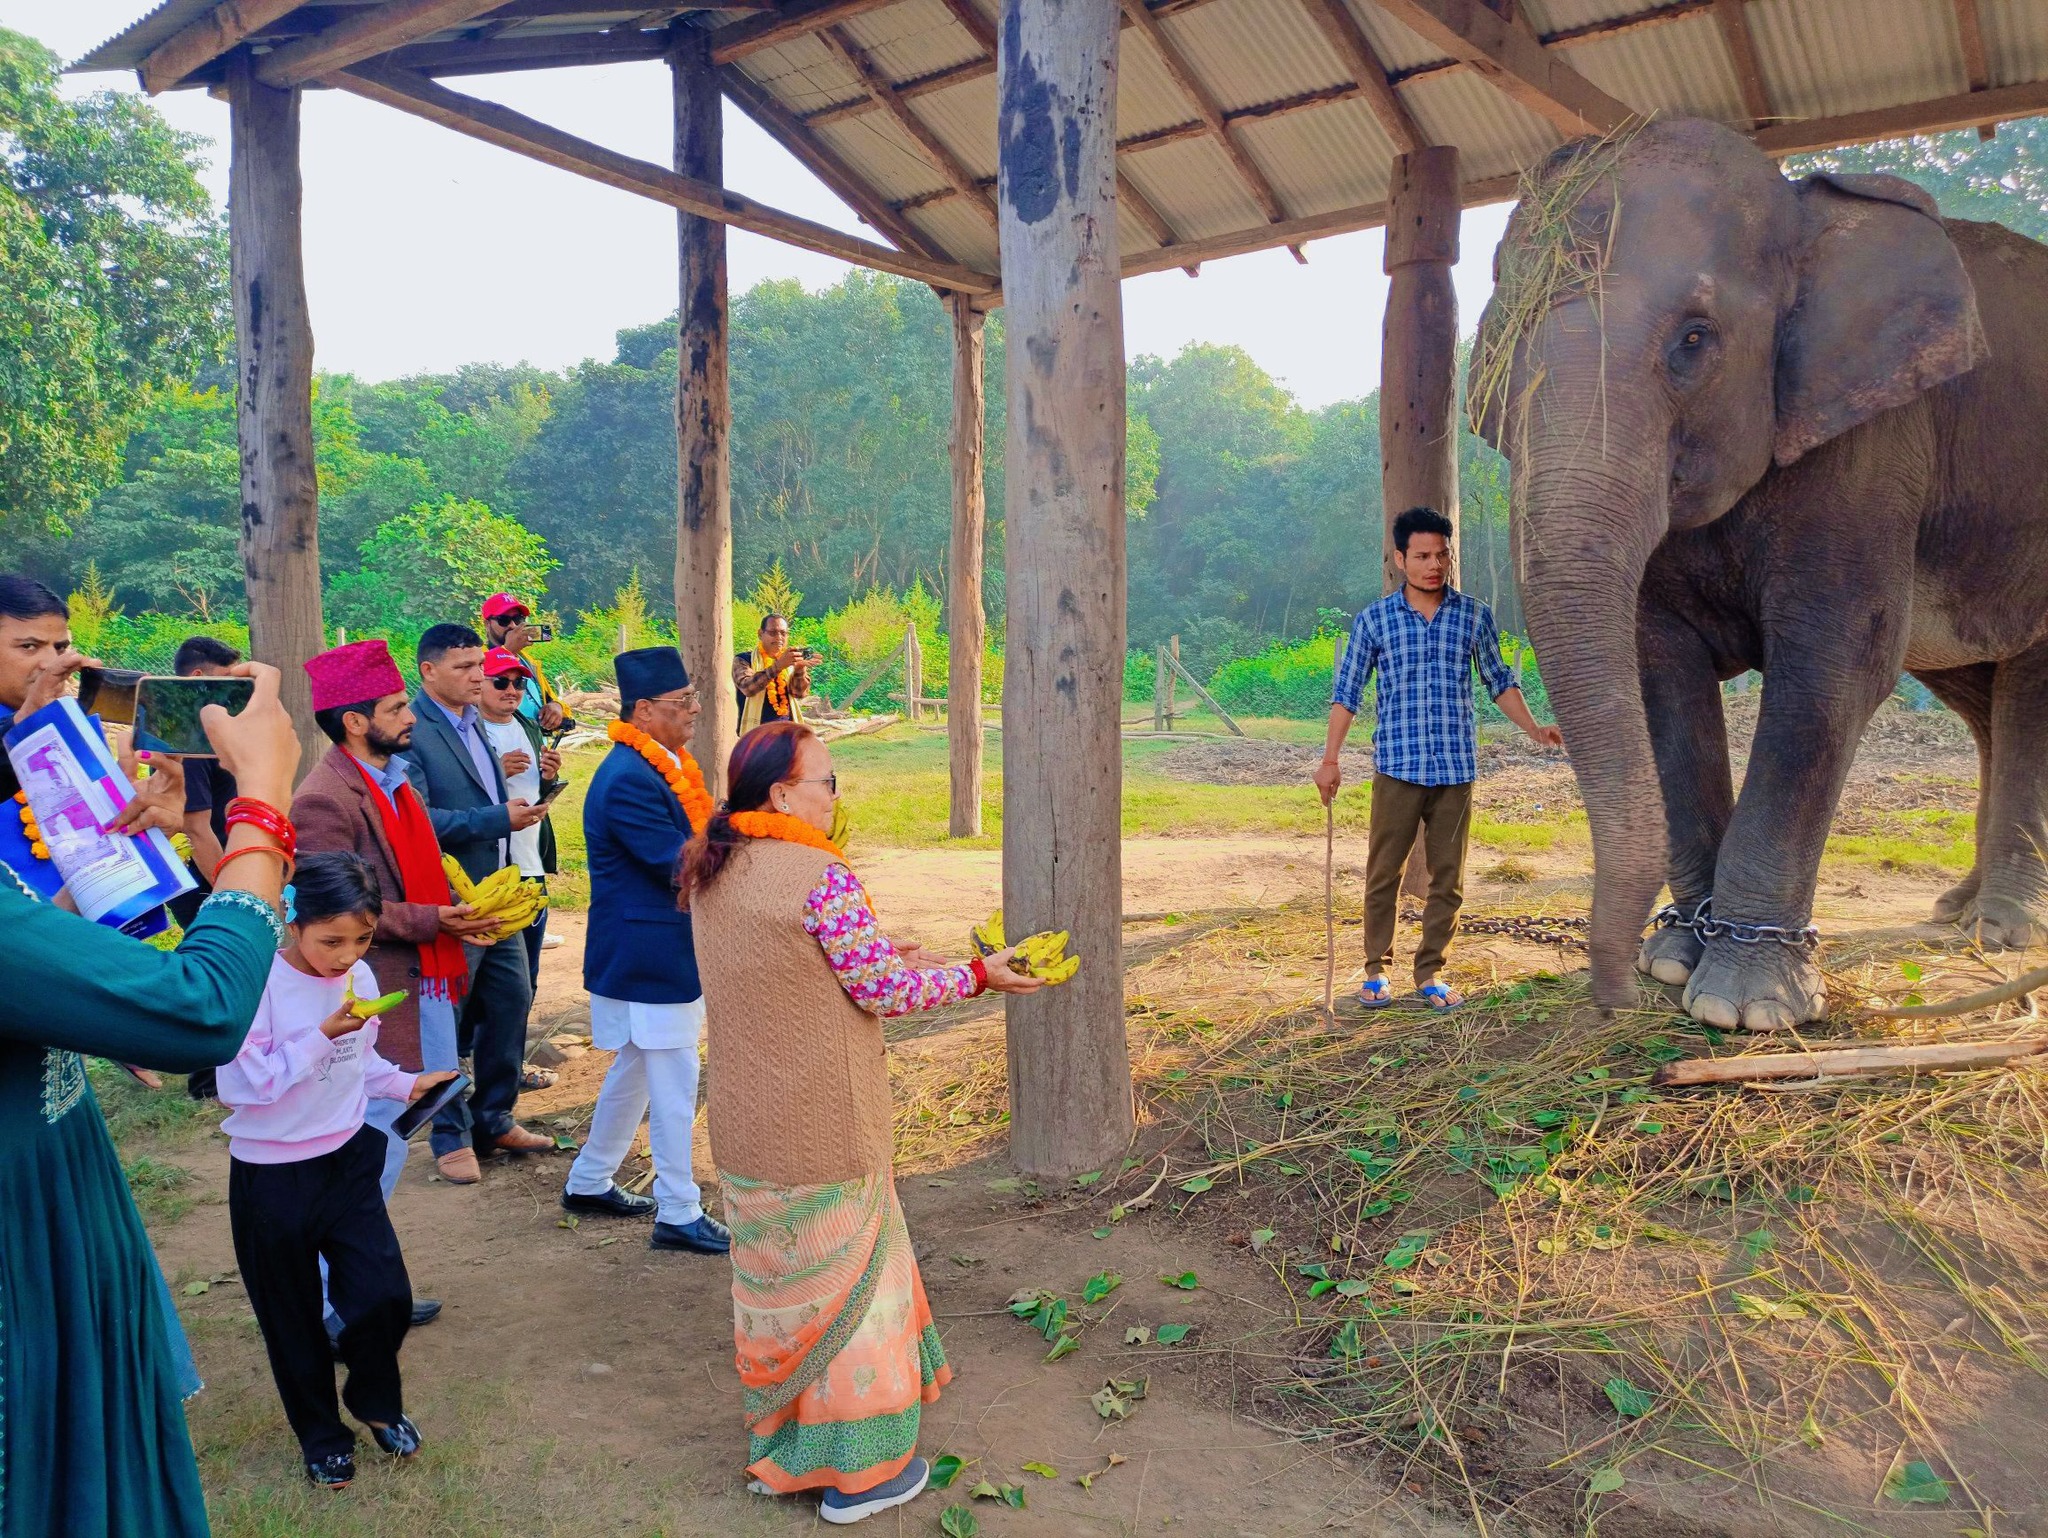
x=1292, y=106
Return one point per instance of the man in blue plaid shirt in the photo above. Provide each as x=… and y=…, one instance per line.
x=1422, y=641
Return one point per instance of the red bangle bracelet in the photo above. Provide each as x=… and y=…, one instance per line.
x=266, y=818
x=290, y=865
x=980, y=970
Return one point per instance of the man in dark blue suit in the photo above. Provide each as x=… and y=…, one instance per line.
x=639, y=965
x=453, y=770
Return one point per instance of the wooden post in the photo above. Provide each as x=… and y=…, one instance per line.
x=280, y=538
x=913, y=676
x=703, y=417
x=1418, y=367
x=1162, y=680
x=1069, y=1065
x=1172, y=676
x=966, y=623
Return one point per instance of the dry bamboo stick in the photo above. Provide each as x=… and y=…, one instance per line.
x=1891, y=1058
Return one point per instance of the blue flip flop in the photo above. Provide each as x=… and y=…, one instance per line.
x=1439, y=998
x=1375, y=994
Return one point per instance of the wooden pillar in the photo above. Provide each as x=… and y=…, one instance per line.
x=1070, y=1080
x=280, y=538
x=1419, y=367
x=966, y=622
x=703, y=417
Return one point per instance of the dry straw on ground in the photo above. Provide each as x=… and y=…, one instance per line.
x=1505, y=1265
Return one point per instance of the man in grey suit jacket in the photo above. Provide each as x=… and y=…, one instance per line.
x=454, y=771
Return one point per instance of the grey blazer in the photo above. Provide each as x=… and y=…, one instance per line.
x=466, y=821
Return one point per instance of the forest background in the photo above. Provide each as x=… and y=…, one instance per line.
x=1253, y=522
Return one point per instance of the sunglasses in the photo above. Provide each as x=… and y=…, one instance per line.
x=512, y=682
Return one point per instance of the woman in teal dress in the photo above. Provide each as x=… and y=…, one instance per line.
x=92, y=1435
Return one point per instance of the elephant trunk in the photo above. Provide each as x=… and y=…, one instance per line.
x=1592, y=516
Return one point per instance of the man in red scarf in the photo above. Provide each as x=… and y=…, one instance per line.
x=357, y=798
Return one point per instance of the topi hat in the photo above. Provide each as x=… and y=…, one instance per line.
x=351, y=674
x=650, y=672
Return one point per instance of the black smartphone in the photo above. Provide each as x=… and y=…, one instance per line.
x=543, y=632
x=552, y=789
x=162, y=710
x=428, y=1106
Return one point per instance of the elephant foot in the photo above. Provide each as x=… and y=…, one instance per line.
x=2003, y=923
x=1669, y=955
x=1950, y=907
x=1766, y=987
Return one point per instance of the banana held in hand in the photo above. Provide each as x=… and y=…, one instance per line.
x=1044, y=957
x=986, y=938
x=364, y=1009
x=841, y=826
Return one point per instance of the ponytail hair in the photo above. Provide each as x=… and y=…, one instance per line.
x=760, y=761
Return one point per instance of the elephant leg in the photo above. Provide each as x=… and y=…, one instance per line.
x=1689, y=735
x=1829, y=680
x=1967, y=691
x=2011, y=907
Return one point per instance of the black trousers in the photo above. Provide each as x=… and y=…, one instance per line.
x=285, y=1217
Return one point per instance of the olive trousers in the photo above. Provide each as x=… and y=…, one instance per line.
x=1443, y=814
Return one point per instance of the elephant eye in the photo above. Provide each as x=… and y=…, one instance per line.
x=1692, y=336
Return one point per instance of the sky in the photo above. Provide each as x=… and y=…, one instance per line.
x=426, y=250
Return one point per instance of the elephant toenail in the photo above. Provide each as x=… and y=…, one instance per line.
x=1669, y=969
x=1713, y=1011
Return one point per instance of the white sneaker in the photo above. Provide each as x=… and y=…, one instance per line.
x=552, y=942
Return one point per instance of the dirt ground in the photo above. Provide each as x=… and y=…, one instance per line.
x=579, y=1384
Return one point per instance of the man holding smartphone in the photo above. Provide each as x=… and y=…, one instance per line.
x=532, y=772
x=772, y=677
x=507, y=625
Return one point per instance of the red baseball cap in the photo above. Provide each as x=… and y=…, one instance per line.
x=503, y=606
x=498, y=662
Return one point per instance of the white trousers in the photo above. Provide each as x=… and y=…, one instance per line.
x=660, y=1084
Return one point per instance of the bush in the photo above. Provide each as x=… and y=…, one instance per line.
x=1290, y=678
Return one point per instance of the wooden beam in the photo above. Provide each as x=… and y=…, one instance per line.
x=524, y=51
x=1354, y=51
x=966, y=619
x=703, y=413
x=977, y=26
x=909, y=90
x=1063, y=659
x=795, y=19
x=1942, y=115
x=280, y=533
x=1207, y=107
x=1976, y=63
x=781, y=125
x=523, y=135
x=1140, y=207
x=1512, y=59
x=374, y=30
x=877, y=85
x=1732, y=17
x=203, y=41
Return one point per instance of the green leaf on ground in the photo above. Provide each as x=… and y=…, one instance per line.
x=1916, y=1484
x=985, y=1492
x=1406, y=1253
x=1101, y=1285
x=1066, y=1345
x=1605, y=1481
x=1102, y=1233
x=1759, y=1242
x=959, y=1522
x=1137, y=1335
x=1345, y=1345
x=1353, y=1289
x=1088, y=1179
x=1198, y=1185
x=570, y=1222
x=1317, y=1288
x=1556, y=1246
x=1042, y=1470
x=1261, y=1237
x=1013, y=1496
x=1627, y=1399
x=945, y=1469
x=1783, y=1310
x=1187, y=1281
x=1910, y=971
x=195, y=1289
x=1171, y=1334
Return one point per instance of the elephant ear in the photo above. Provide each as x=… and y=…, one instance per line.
x=1884, y=309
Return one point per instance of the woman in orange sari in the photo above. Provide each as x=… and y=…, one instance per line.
x=836, y=1348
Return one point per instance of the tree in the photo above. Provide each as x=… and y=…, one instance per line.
x=2004, y=181
x=438, y=561
x=112, y=279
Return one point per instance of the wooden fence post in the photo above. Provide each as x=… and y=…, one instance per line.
x=913, y=676
x=1069, y=1062
x=1172, y=674
x=966, y=622
x=1162, y=680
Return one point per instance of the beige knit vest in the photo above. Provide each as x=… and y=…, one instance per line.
x=798, y=1074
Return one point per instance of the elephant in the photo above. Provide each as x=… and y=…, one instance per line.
x=1757, y=423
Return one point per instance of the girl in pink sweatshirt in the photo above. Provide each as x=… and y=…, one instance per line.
x=304, y=1182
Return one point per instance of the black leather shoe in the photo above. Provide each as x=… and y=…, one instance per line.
x=706, y=1236
x=425, y=1311
x=611, y=1203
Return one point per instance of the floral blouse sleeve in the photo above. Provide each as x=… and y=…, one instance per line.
x=870, y=969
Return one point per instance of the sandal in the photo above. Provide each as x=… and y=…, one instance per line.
x=537, y=1078
x=1375, y=994
x=1439, y=998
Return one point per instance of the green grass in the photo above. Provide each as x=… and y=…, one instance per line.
x=1927, y=840
x=160, y=1189
x=132, y=1111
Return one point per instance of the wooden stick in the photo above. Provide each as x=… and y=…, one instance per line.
x=1206, y=697
x=2018, y=988
x=1330, y=908
x=1847, y=1061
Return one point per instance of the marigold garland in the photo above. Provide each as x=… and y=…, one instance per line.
x=684, y=778
x=791, y=830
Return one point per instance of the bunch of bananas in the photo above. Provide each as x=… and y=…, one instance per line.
x=363, y=1009
x=502, y=895
x=1043, y=955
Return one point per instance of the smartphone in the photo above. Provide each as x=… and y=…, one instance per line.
x=551, y=790
x=427, y=1107
x=540, y=633
x=163, y=711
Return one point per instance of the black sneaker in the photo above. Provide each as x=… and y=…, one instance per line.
x=401, y=1438
x=333, y=1472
